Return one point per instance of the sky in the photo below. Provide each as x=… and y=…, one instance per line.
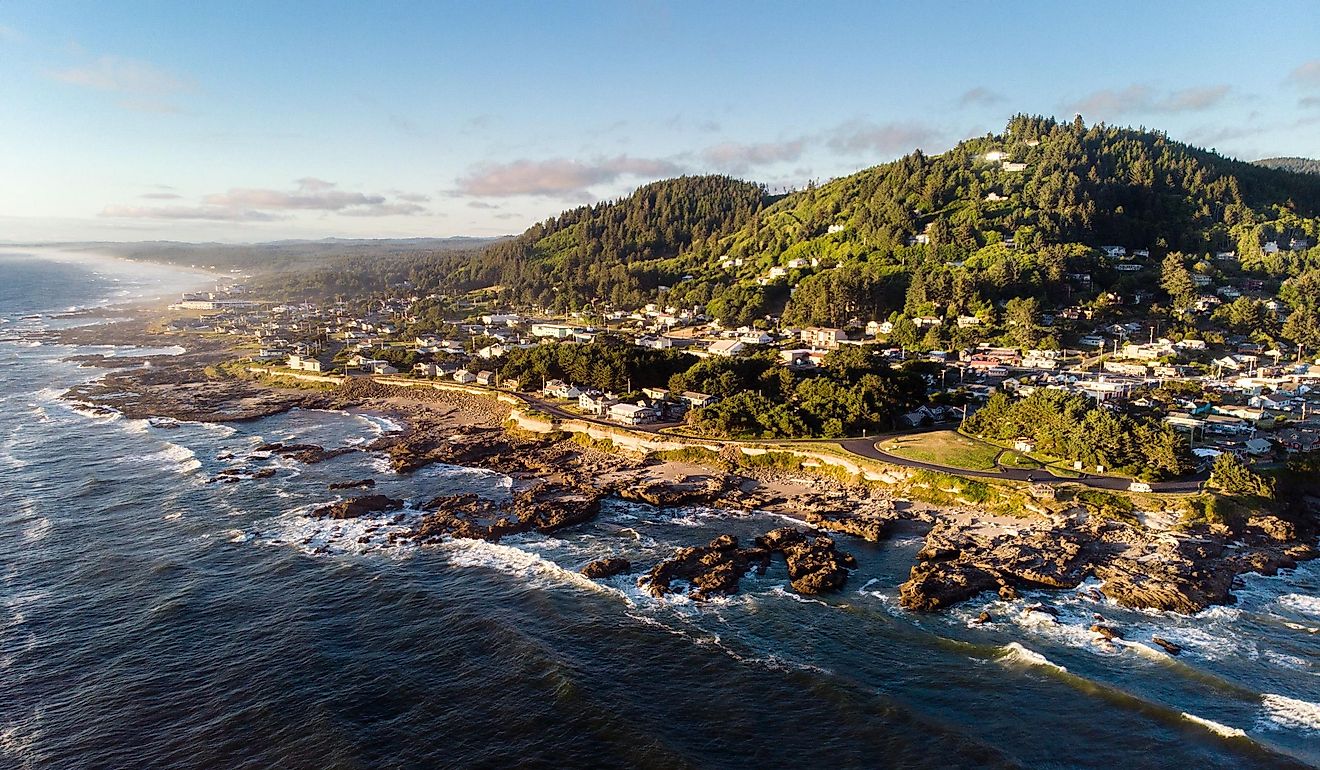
x=252, y=121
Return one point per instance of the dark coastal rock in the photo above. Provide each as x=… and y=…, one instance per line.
x=544, y=508
x=715, y=568
x=871, y=525
x=693, y=490
x=1108, y=632
x=1168, y=646
x=983, y=618
x=234, y=475
x=814, y=564
x=359, y=484
x=604, y=568
x=358, y=506
x=1274, y=528
x=956, y=563
x=308, y=454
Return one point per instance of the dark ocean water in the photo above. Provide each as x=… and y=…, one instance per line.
x=151, y=620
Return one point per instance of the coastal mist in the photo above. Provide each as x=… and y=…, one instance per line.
x=153, y=617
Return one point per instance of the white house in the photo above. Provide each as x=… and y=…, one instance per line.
x=464, y=376
x=726, y=348
x=631, y=414
x=822, y=336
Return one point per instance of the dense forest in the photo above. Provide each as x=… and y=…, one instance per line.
x=997, y=217
x=620, y=252
x=1072, y=427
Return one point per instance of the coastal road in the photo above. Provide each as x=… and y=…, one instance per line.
x=870, y=448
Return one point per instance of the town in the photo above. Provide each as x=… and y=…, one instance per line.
x=1223, y=391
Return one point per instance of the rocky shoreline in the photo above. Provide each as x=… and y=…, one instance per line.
x=559, y=482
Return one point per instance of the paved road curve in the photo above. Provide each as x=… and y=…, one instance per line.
x=869, y=447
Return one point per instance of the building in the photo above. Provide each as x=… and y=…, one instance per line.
x=486, y=377
x=822, y=337
x=465, y=377
x=307, y=363
x=631, y=414
x=596, y=403
x=726, y=348
x=554, y=331
x=697, y=400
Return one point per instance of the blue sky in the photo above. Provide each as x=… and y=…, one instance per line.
x=247, y=121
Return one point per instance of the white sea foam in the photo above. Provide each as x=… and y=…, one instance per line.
x=1282, y=712
x=1021, y=654
x=1215, y=727
x=536, y=570
x=1307, y=605
x=318, y=536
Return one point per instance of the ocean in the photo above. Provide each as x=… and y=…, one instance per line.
x=149, y=619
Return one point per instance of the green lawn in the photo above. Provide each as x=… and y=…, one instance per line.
x=945, y=447
x=1014, y=459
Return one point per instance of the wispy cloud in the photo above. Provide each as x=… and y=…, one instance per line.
x=863, y=137
x=738, y=158
x=161, y=196
x=981, y=97
x=210, y=213
x=142, y=86
x=557, y=177
x=1142, y=99
x=251, y=204
x=1306, y=77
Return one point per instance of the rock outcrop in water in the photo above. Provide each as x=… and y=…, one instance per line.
x=544, y=508
x=605, y=568
x=715, y=568
x=814, y=564
x=308, y=454
x=1183, y=572
x=359, y=484
x=358, y=506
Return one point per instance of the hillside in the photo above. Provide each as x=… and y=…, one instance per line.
x=618, y=251
x=1295, y=165
x=996, y=217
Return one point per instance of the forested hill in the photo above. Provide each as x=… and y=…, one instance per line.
x=996, y=217
x=1295, y=165
x=618, y=251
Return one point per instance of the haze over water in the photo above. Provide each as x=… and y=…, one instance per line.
x=149, y=619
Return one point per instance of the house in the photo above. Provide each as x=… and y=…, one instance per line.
x=1258, y=446
x=822, y=337
x=553, y=331
x=656, y=394
x=561, y=389
x=755, y=337
x=965, y=321
x=486, y=377
x=924, y=321
x=655, y=342
x=1025, y=445
x=596, y=403
x=697, y=400
x=631, y=414
x=1013, y=167
x=726, y=348
x=307, y=363
x=1269, y=247
x=874, y=328
x=383, y=367
x=465, y=377
x=1114, y=252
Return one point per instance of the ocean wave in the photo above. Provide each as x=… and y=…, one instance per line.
x=1217, y=728
x=1282, y=712
x=1307, y=605
x=534, y=569
x=335, y=537
x=1015, y=651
